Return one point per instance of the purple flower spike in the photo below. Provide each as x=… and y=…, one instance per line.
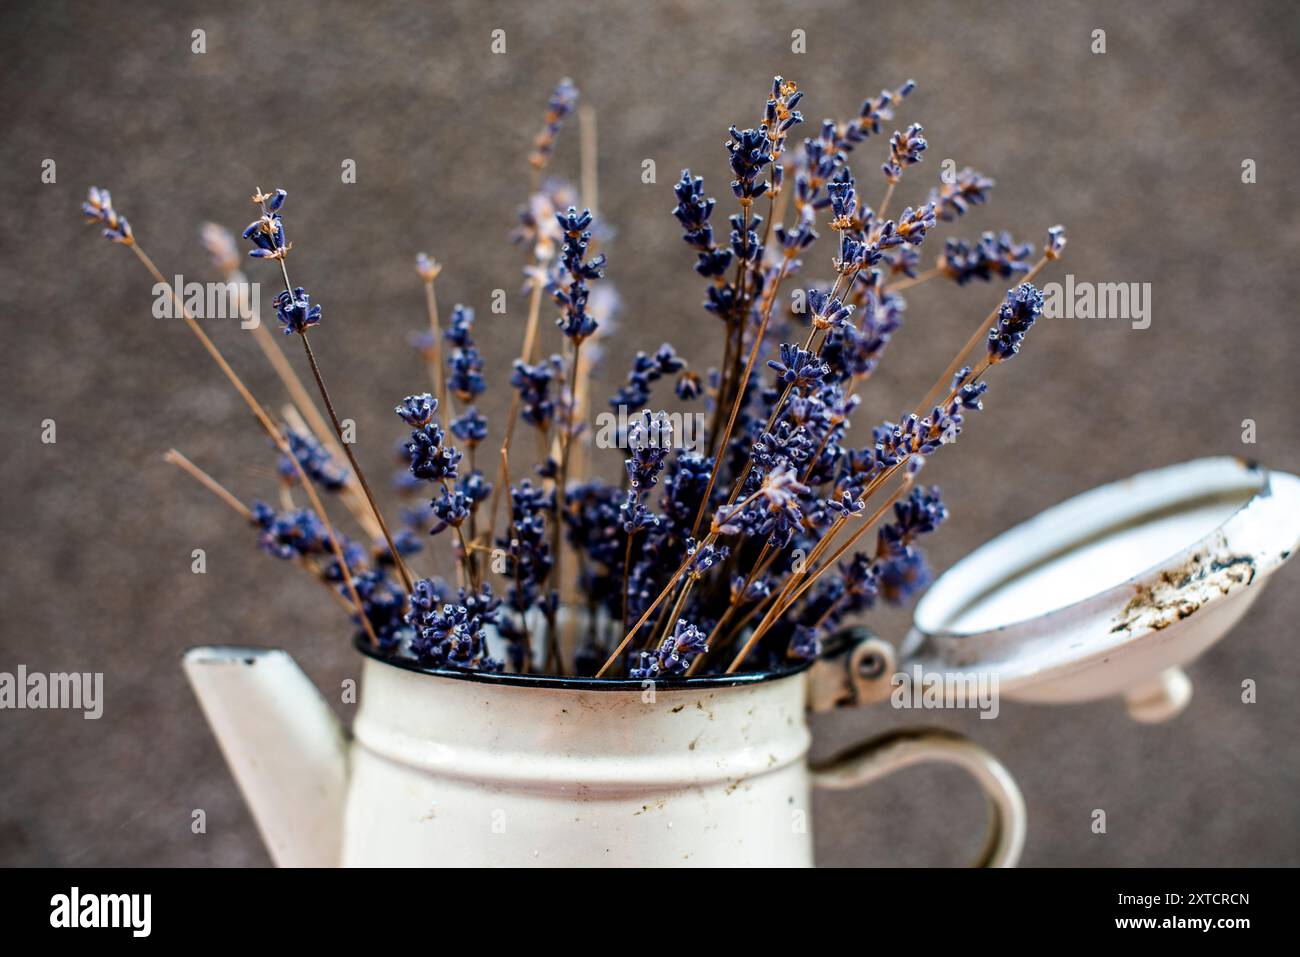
x=798, y=367
x=295, y=311
x=1016, y=317
x=98, y=208
x=675, y=655
x=905, y=150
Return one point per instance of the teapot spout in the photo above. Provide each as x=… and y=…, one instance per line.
x=284, y=746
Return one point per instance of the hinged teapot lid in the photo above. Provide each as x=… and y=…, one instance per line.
x=1111, y=591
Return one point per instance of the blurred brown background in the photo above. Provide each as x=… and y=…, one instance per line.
x=1138, y=151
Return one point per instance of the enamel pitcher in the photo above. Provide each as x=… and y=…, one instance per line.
x=1109, y=594
x=473, y=769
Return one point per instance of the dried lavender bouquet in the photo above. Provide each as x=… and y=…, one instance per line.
x=739, y=551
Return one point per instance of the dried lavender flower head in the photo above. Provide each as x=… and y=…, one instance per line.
x=471, y=427
x=968, y=188
x=98, y=208
x=295, y=311
x=575, y=321
x=417, y=410
x=992, y=255
x=563, y=101
x=1022, y=307
x=316, y=462
x=427, y=267
x=267, y=231
x=649, y=440
x=779, y=117
x=1055, y=242
x=290, y=535
x=905, y=149
x=798, y=367
x=674, y=657
x=453, y=634
x=465, y=364
x=751, y=153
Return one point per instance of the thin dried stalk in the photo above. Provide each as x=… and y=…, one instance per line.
x=174, y=457
x=314, y=422
x=979, y=335
x=271, y=430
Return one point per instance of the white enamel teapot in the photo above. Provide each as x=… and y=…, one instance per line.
x=1108, y=594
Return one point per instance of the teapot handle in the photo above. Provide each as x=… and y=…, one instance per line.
x=891, y=752
x=858, y=671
